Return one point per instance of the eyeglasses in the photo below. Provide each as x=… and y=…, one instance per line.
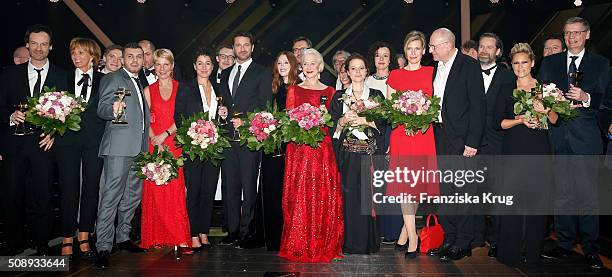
x=295, y=50
x=433, y=46
x=226, y=57
x=573, y=33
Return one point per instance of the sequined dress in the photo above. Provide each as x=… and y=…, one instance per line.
x=312, y=196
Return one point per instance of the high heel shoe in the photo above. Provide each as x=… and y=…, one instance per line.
x=413, y=254
x=401, y=247
x=184, y=250
x=89, y=254
x=68, y=244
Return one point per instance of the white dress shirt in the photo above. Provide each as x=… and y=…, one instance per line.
x=441, y=78
x=33, y=76
x=245, y=65
x=77, y=88
x=218, y=75
x=338, y=83
x=212, y=107
x=580, y=55
x=152, y=78
x=488, y=78
x=374, y=83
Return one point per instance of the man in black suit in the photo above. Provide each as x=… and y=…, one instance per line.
x=29, y=167
x=458, y=83
x=299, y=44
x=225, y=58
x=498, y=80
x=245, y=87
x=577, y=181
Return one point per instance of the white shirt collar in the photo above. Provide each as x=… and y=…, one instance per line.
x=130, y=73
x=580, y=55
x=45, y=67
x=448, y=64
x=244, y=65
x=89, y=72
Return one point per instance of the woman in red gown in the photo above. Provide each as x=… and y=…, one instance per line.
x=164, y=212
x=412, y=151
x=312, y=196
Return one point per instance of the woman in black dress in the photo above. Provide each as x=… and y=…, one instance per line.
x=522, y=236
x=360, y=227
x=284, y=74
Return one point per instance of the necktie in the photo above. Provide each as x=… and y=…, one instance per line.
x=488, y=71
x=571, y=73
x=137, y=84
x=219, y=76
x=85, y=83
x=149, y=72
x=36, y=90
x=236, y=81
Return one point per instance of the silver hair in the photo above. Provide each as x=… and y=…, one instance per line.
x=314, y=52
x=340, y=52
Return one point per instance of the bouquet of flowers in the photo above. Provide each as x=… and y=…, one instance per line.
x=159, y=167
x=530, y=104
x=304, y=125
x=369, y=108
x=262, y=130
x=55, y=111
x=203, y=138
x=413, y=109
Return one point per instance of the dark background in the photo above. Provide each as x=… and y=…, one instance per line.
x=181, y=25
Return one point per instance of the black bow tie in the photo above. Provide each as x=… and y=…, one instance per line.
x=488, y=71
x=219, y=75
x=85, y=79
x=149, y=72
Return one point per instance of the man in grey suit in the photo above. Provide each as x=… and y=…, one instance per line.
x=120, y=189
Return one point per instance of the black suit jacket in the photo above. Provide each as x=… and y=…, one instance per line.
x=92, y=126
x=580, y=135
x=254, y=90
x=188, y=100
x=463, y=107
x=15, y=89
x=503, y=83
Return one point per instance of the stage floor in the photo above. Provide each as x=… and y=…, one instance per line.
x=227, y=261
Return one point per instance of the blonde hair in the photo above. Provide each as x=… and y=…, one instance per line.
x=318, y=56
x=163, y=53
x=89, y=45
x=415, y=36
x=522, y=48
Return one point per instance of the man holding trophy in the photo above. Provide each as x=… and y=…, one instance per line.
x=125, y=136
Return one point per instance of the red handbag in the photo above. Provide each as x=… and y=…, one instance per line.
x=431, y=236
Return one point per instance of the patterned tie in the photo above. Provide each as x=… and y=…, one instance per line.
x=236, y=81
x=36, y=90
x=571, y=73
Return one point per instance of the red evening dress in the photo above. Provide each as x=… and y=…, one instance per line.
x=416, y=151
x=164, y=211
x=312, y=193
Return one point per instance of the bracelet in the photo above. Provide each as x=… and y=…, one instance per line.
x=168, y=132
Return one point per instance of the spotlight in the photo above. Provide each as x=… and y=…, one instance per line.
x=274, y=3
x=230, y=1
x=494, y=1
x=409, y=1
x=578, y=3
x=318, y=1
x=53, y=1
x=141, y=1
x=364, y=3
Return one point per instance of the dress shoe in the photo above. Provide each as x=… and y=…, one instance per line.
x=229, y=239
x=388, y=241
x=438, y=251
x=593, y=261
x=249, y=242
x=492, y=251
x=455, y=253
x=478, y=243
x=130, y=246
x=401, y=247
x=103, y=259
x=185, y=250
x=558, y=253
x=413, y=254
x=202, y=247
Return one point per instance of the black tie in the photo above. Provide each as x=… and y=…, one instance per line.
x=571, y=73
x=85, y=83
x=149, y=72
x=488, y=71
x=36, y=90
x=137, y=84
x=236, y=81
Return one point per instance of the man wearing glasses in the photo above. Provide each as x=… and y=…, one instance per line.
x=299, y=44
x=583, y=76
x=225, y=58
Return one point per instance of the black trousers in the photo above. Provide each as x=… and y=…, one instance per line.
x=456, y=219
x=70, y=159
x=201, y=182
x=28, y=173
x=239, y=170
x=521, y=235
x=272, y=175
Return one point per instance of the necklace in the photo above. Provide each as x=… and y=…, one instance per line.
x=376, y=77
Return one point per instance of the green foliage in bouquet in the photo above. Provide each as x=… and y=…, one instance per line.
x=203, y=138
x=49, y=111
x=160, y=166
x=262, y=129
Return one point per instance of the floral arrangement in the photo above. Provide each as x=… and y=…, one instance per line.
x=529, y=104
x=263, y=130
x=159, y=167
x=203, y=138
x=304, y=124
x=55, y=111
x=413, y=109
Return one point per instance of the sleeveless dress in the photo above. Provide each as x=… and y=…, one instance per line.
x=313, y=229
x=164, y=212
x=416, y=151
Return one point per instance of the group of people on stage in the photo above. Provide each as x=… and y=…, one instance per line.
x=308, y=203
